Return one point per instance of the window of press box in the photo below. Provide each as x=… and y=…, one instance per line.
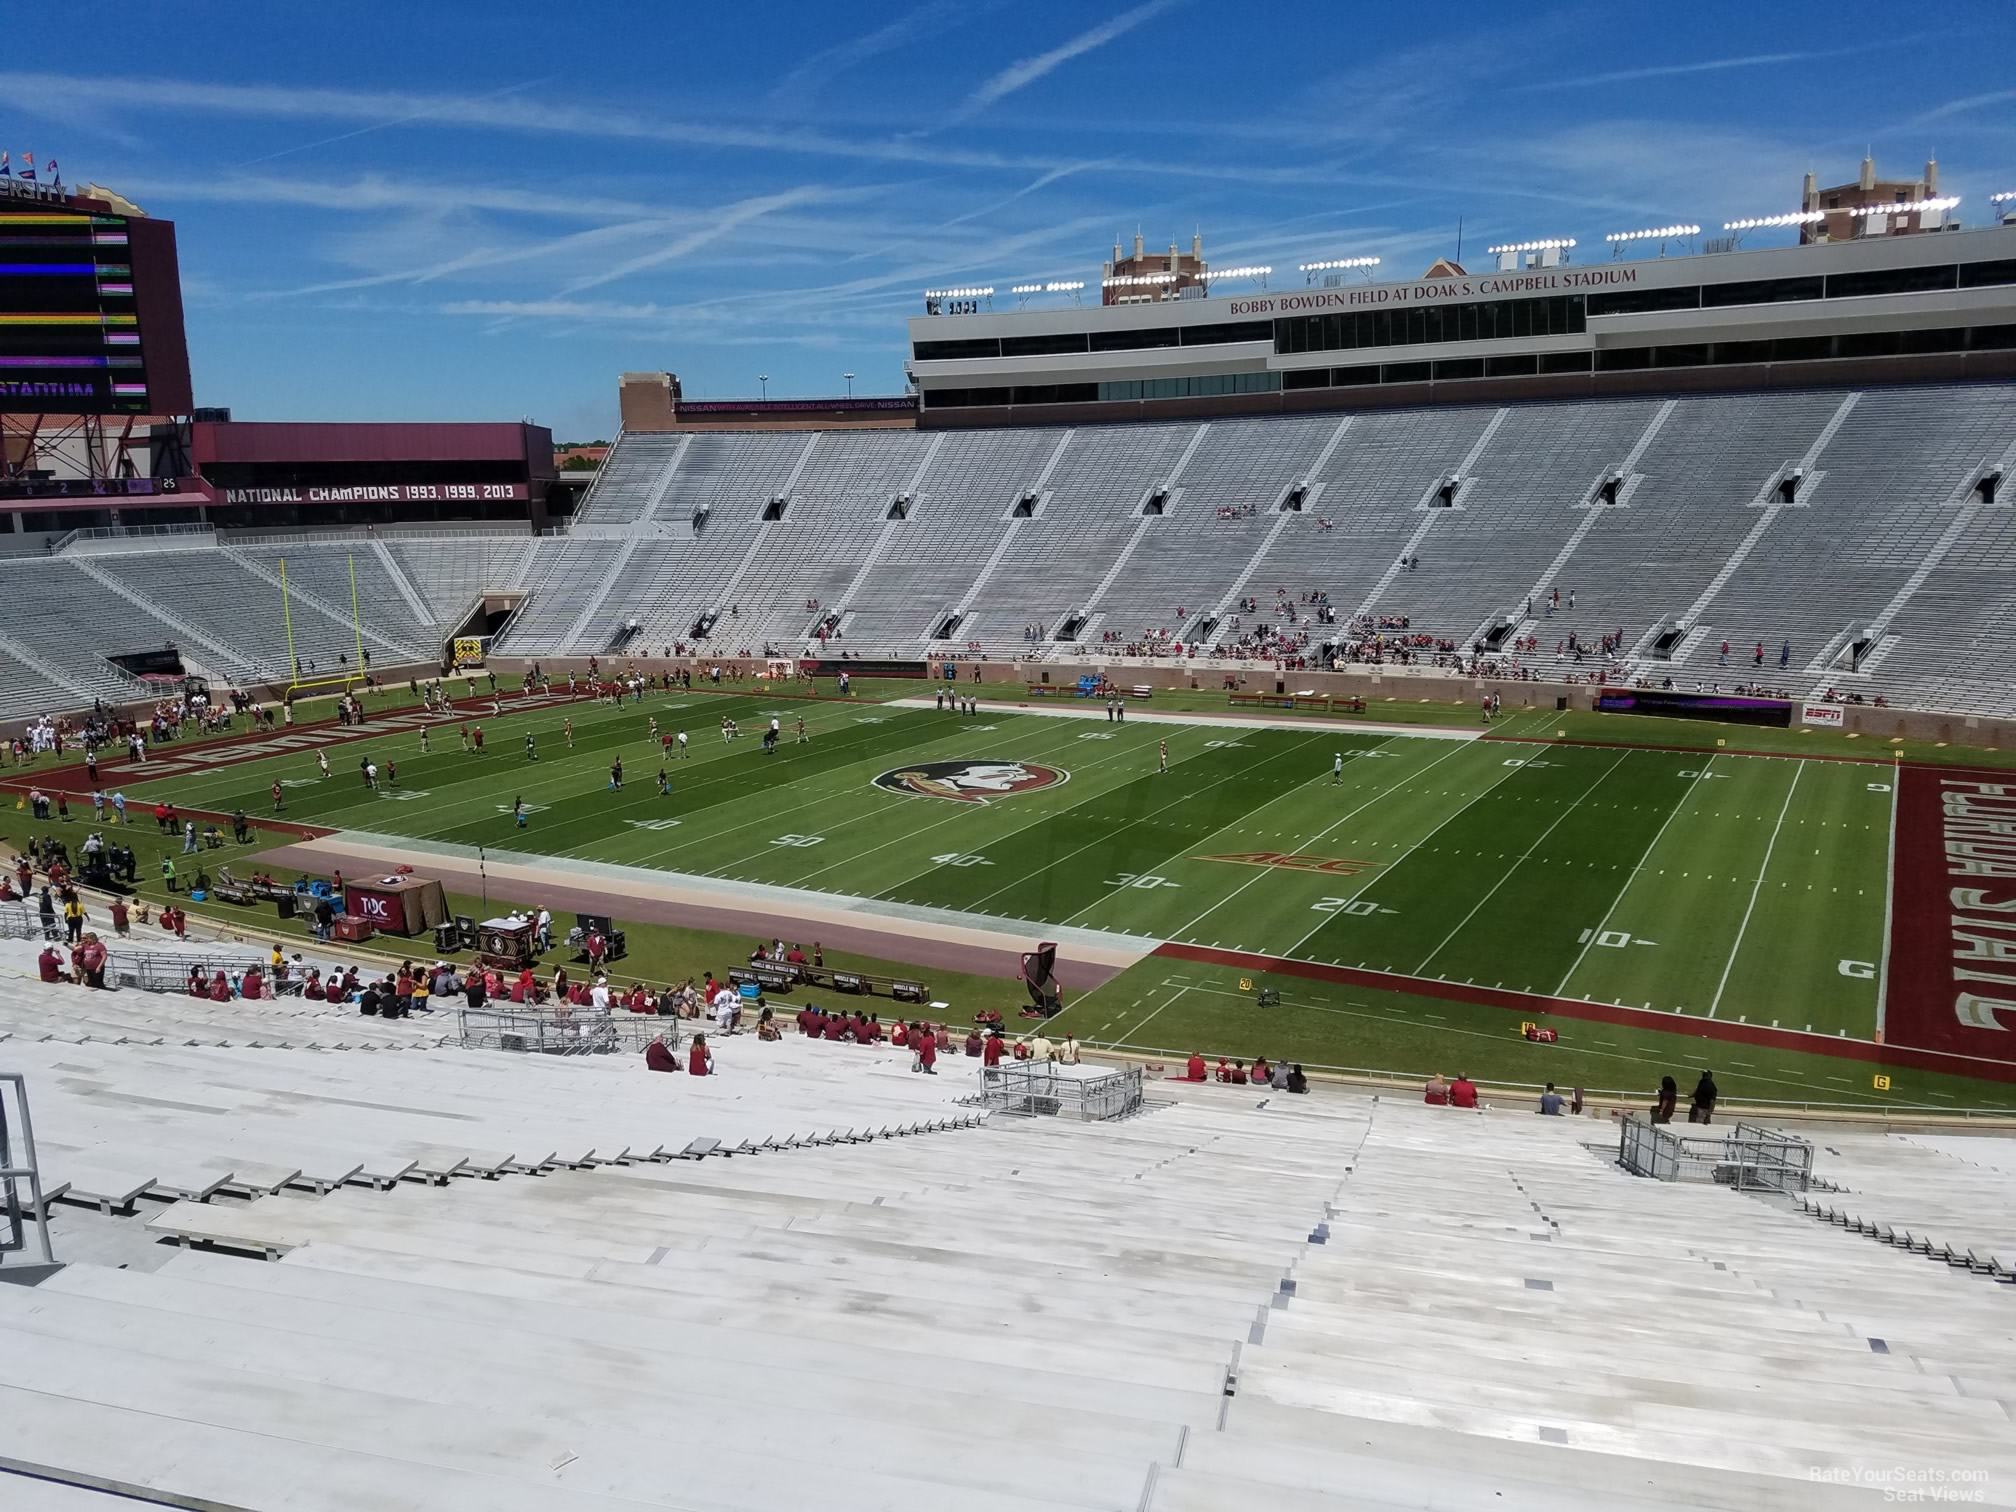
x=1238, y=330
x=967, y=398
x=1055, y=393
x=1985, y=275
x=1761, y=291
x=1459, y=367
x=1488, y=320
x=957, y=351
x=1406, y=372
x=1044, y=346
x=1891, y=281
x=1133, y=341
x=1645, y=301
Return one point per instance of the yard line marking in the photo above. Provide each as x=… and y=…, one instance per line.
x=1302, y=845
x=1889, y=897
x=1162, y=808
x=1504, y=774
x=1617, y=902
x=1146, y=1021
x=1559, y=819
x=1797, y=772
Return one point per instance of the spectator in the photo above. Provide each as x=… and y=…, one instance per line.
x=1067, y=1053
x=925, y=1045
x=1263, y=1075
x=1706, y=1094
x=1297, y=1082
x=90, y=958
x=1551, y=1102
x=1436, y=1093
x=1462, y=1092
x=1669, y=1097
x=1279, y=1080
x=990, y=1053
x=699, y=1059
x=50, y=964
x=1194, y=1069
x=658, y=1057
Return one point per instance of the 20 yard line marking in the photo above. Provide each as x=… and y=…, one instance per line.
x=1618, y=901
x=1741, y=929
x=1262, y=873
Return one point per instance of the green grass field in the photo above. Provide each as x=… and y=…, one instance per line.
x=1695, y=886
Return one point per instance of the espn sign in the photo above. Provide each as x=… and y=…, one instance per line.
x=1831, y=716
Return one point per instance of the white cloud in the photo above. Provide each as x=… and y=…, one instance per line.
x=829, y=63
x=738, y=214
x=1021, y=75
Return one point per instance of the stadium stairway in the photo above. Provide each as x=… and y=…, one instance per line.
x=1949, y=1199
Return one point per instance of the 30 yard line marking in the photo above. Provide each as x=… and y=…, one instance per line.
x=1559, y=819
x=1617, y=902
x=1741, y=929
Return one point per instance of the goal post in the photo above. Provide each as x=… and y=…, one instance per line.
x=354, y=675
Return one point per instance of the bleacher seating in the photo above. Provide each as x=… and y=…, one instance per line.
x=1886, y=546
x=484, y=1279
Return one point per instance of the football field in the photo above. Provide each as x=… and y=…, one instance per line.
x=1689, y=891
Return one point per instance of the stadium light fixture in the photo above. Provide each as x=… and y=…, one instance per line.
x=1758, y=222
x=1653, y=233
x=1909, y=207
x=1064, y=286
x=1338, y=264
x=969, y=293
x=1136, y=280
x=1026, y=289
x=1534, y=246
x=2003, y=198
x=1250, y=271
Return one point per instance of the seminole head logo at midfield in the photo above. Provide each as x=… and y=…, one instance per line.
x=970, y=781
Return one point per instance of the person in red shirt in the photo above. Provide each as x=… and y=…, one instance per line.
x=220, y=989
x=90, y=957
x=899, y=1034
x=990, y=1053
x=121, y=918
x=50, y=964
x=253, y=987
x=699, y=1059
x=927, y=1049
x=1194, y=1069
x=1261, y=1074
x=836, y=1025
x=973, y=1042
x=658, y=1057
x=1462, y=1093
x=1239, y=1073
x=1224, y=1071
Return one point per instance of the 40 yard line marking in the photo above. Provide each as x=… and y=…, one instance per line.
x=1889, y=895
x=1617, y=902
x=1743, y=928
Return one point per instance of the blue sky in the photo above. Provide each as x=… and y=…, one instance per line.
x=450, y=211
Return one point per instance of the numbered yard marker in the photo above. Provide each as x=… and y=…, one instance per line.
x=523, y=808
x=1096, y=735
x=1139, y=879
x=1358, y=907
x=799, y=840
x=959, y=858
x=1861, y=971
x=1245, y=984
x=1879, y=787
x=404, y=795
x=653, y=824
x=1611, y=939
x=300, y=782
x=1224, y=745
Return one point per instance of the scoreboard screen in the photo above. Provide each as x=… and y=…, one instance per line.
x=90, y=313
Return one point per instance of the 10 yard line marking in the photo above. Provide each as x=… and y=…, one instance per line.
x=1618, y=901
x=1721, y=986
x=1464, y=924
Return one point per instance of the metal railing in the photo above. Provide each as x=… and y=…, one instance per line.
x=18, y=1169
x=109, y=538
x=1750, y=1157
x=1040, y=1089
x=533, y=1031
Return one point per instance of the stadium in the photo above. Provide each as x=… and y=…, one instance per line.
x=1569, y=679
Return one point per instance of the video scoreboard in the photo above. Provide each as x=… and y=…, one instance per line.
x=90, y=313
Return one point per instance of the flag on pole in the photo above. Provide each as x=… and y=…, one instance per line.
x=28, y=166
x=5, y=171
x=55, y=177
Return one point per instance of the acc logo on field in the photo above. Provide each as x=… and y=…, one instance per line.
x=971, y=781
